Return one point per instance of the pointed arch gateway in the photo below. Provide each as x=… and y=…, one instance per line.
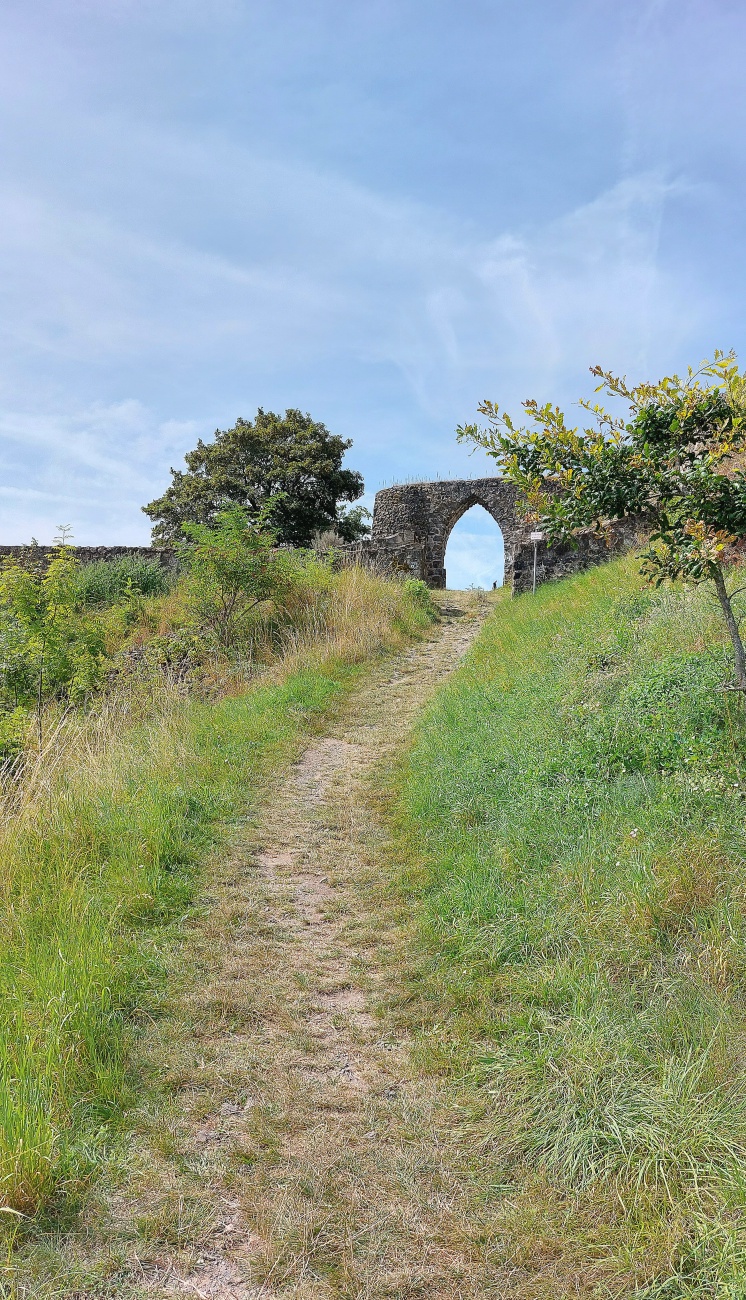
x=412, y=524
x=416, y=519
x=474, y=551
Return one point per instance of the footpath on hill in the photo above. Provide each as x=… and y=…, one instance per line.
x=291, y=1147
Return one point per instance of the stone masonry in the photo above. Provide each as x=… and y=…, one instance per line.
x=415, y=520
x=162, y=555
x=411, y=527
x=412, y=524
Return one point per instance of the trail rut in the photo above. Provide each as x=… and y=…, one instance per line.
x=301, y=1153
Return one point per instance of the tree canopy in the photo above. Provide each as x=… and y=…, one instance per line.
x=674, y=458
x=292, y=459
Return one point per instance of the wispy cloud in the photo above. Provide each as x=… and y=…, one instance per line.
x=163, y=269
x=353, y=272
x=97, y=462
x=358, y=279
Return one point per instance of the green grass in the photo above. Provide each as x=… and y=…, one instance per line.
x=106, y=581
x=100, y=859
x=86, y=888
x=573, y=816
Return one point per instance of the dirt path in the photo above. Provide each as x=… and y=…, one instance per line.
x=301, y=1154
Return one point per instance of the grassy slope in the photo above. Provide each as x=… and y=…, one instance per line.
x=112, y=856
x=572, y=813
x=100, y=861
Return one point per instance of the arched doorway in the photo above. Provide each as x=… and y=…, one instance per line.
x=475, y=551
x=412, y=523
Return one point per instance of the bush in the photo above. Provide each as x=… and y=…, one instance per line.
x=48, y=649
x=417, y=594
x=232, y=567
x=14, y=729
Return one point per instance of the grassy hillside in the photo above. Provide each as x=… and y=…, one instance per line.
x=573, y=818
x=101, y=837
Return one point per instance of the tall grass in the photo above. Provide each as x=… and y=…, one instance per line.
x=573, y=811
x=105, y=581
x=317, y=607
x=100, y=849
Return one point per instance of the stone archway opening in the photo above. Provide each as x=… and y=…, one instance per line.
x=475, y=551
x=414, y=522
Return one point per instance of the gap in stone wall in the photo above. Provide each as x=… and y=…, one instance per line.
x=475, y=554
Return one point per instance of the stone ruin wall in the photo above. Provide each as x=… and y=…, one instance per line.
x=562, y=559
x=92, y=554
x=411, y=526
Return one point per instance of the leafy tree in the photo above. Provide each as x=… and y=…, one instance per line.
x=352, y=524
x=674, y=458
x=232, y=566
x=291, y=459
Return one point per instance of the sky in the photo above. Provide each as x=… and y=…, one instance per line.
x=378, y=211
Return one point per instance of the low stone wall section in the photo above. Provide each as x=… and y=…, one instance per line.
x=162, y=555
x=565, y=558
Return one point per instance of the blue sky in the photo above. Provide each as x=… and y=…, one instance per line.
x=379, y=211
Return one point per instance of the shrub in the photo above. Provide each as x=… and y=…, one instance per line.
x=232, y=567
x=417, y=593
x=48, y=649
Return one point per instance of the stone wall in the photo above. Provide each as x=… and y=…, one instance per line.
x=91, y=554
x=412, y=524
x=565, y=558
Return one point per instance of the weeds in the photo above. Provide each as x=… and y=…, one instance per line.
x=106, y=581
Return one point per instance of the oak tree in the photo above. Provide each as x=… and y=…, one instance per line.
x=291, y=460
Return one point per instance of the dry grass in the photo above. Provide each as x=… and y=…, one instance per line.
x=288, y=1146
x=101, y=836
x=352, y=614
